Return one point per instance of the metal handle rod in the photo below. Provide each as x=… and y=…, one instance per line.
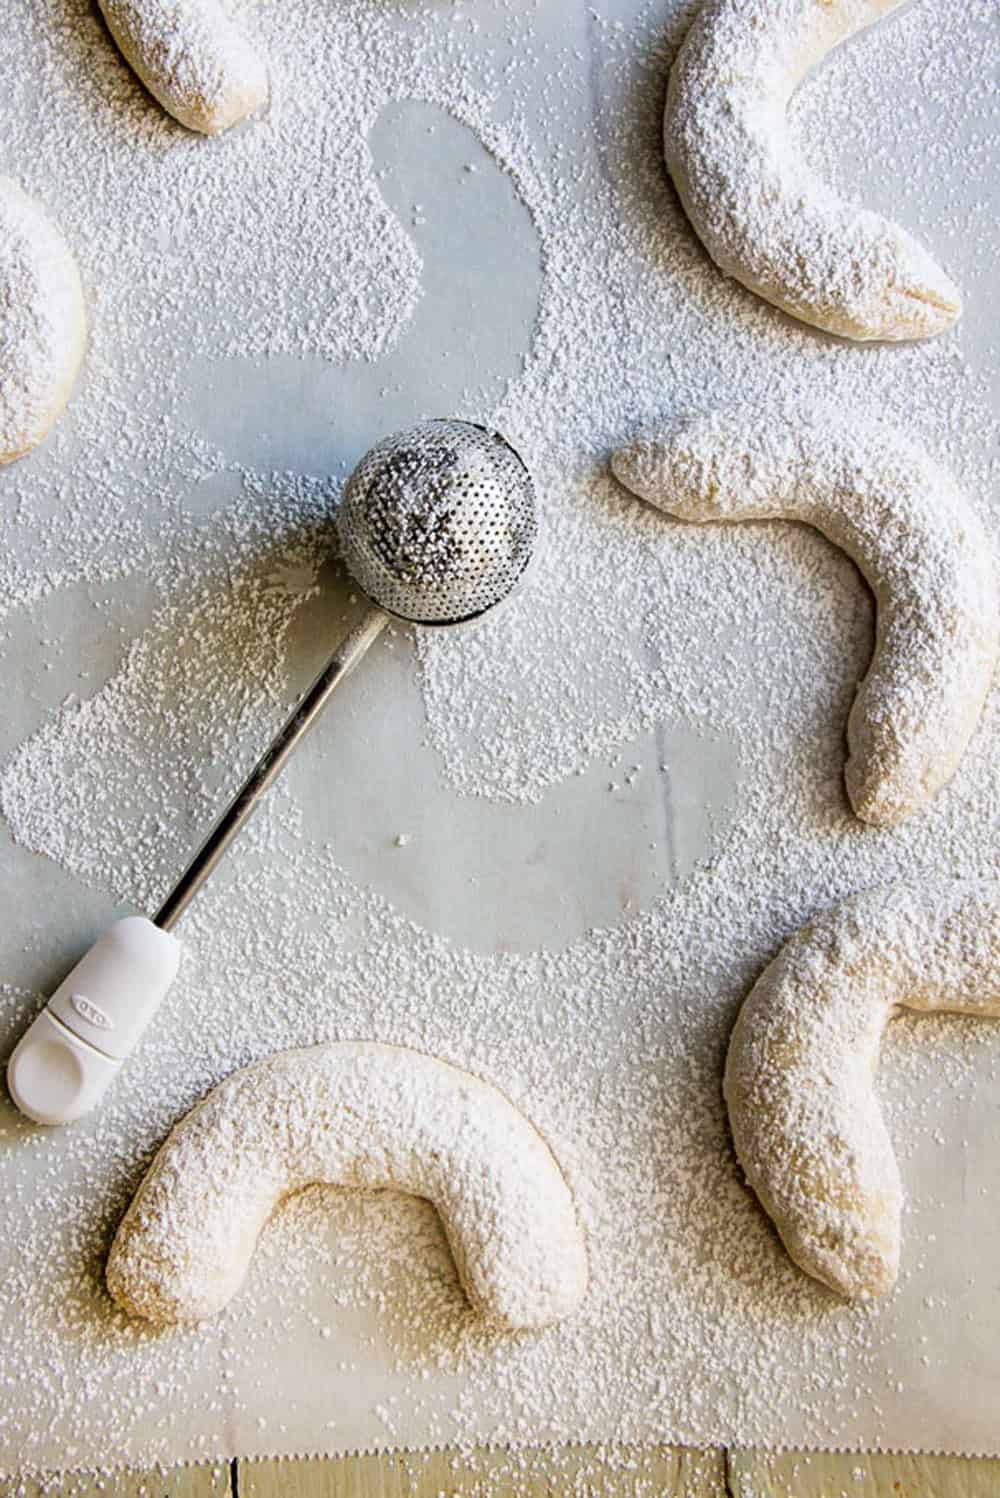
x=270, y=765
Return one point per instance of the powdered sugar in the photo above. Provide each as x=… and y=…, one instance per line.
x=42, y=328
x=195, y=464
x=365, y=1116
x=918, y=542
x=763, y=217
x=192, y=58
x=799, y=1074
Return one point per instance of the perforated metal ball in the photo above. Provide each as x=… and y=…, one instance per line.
x=438, y=523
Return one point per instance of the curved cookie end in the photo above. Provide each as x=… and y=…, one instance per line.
x=674, y=474
x=918, y=299
x=640, y=468
x=234, y=105
x=857, y=1265
x=541, y=1277
x=873, y=800
x=884, y=796
x=922, y=312
x=151, y=1288
x=49, y=332
x=565, y=1292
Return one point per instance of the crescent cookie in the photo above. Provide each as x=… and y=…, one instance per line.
x=905, y=523
x=764, y=218
x=800, y=1073
x=42, y=322
x=193, y=59
x=364, y=1116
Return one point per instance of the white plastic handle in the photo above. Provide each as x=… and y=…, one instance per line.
x=64, y=1063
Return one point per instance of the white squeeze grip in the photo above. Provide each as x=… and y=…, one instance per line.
x=66, y=1060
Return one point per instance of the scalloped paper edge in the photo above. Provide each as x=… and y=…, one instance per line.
x=438, y=1448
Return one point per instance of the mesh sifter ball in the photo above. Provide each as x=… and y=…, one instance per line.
x=438, y=523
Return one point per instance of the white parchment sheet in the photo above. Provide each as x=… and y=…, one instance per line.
x=557, y=851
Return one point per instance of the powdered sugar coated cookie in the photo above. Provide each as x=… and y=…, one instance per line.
x=42, y=322
x=905, y=522
x=192, y=57
x=800, y=1072
x=763, y=216
x=364, y=1116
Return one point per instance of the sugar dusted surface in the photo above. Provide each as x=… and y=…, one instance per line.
x=166, y=590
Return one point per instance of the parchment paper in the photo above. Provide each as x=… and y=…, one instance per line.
x=352, y=1333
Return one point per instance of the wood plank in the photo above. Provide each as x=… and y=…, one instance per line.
x=580, y=1471
x=566, y=1472
x=203, y=1481
x=797, y=1474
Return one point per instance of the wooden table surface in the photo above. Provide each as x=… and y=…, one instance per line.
x=578, y=1472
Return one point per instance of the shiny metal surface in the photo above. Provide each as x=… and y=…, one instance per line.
x=438, y=523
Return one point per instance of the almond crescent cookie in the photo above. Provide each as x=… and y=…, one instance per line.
x=364, y=1116
x=762, y=215
x=192, y=57
x=917, y=541
x=800, y=1075
x=43, y=326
